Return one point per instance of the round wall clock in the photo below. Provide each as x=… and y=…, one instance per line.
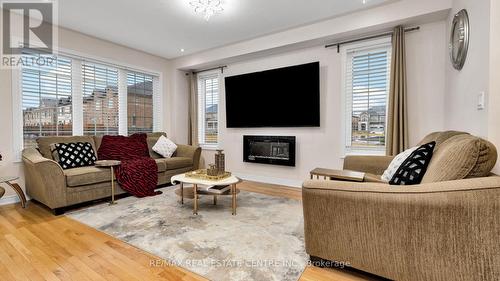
x=459, y=39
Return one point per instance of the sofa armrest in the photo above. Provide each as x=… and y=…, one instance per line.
x=435, y=187
x=393, y=231
x=45, y=180
x=189, y=151
x=367, y=164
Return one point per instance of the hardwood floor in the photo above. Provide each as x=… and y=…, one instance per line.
x=35, y=245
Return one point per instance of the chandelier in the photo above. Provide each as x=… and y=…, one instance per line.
x=207, y=8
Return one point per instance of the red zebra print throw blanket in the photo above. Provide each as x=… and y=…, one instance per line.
x=138, y=173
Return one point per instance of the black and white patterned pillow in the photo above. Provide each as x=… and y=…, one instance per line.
x=414, y=167
x=74, y=154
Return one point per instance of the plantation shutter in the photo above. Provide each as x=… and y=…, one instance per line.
x=208, y=109
x=46, y=99
x=367, y=87
x=139, y=102
x=100, y=99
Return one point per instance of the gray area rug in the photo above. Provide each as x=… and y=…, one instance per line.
x=264, y=241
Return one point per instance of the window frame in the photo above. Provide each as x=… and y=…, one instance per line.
x=203, y=76
x=17, y=96
x=364, y=46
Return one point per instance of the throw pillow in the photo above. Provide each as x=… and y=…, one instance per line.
x=414, y=167
x=164, y=147
x=396, y=163
x=74, y=154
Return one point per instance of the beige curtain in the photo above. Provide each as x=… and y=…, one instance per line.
x=397, y=119
x=193, y=109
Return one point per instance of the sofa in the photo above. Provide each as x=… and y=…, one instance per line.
x=445, y=228
x=47, y=183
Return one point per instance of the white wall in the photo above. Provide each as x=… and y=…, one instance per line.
x=463, y=87
x=322, y=147
x=494, y=90
x=74, y=41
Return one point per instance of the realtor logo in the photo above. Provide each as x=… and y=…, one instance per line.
x=27, y=26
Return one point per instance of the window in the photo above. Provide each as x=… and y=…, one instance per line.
x=208, y=109
x=100, y=99
x=139, y=102
x=46, y=100
x=73, y=96
x=366, y=80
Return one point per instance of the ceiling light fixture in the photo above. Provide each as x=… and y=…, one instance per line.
x=207, y=8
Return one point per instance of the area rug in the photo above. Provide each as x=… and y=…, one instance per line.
x=264, y=241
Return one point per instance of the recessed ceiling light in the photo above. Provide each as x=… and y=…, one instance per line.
x=182, y=50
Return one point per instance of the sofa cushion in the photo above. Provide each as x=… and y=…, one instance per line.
x=178, y=162
x=45, y=142
x=165, y=147
x=151, y=140
x=73, y=155
x=87, y=175
x=459, y=157
x=414, y=167
x=440, y=137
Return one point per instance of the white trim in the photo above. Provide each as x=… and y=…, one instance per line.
x=77, y=96
x=270, y=180
x=122, y=102
x=157, y=104
x=364, y=46
x=11, y=199
x=202, y=77
x=75, y=56
x=17, y=118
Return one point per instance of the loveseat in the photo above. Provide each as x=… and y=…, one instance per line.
x=49, y=184
x=445, y=228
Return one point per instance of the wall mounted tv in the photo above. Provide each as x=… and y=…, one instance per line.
x=282, y=97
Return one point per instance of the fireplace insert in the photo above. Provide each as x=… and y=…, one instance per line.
x=275, y=150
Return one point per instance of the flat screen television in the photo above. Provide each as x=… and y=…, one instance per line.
x=282, y=97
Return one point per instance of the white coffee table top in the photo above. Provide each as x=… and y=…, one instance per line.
x=182, y=178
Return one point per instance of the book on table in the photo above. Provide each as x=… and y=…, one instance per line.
x=219, y=189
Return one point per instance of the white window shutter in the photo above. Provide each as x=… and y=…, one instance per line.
x=122, y=101
x=367, y=74
x=77, y=89
x=157, y=105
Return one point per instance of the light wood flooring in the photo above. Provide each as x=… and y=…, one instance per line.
x=36, y=245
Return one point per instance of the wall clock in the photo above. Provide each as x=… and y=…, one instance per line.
x=459, y=39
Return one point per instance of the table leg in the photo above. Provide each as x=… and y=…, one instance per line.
x=233, y=191
x=215, y=199
x=311, y=175
x=195, y=191
x=112, y=187
x=182, y=193
x=19, y=192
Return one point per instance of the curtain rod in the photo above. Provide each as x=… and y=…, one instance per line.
x=213, y=68
x=368, y=38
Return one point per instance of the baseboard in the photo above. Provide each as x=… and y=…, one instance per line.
x=271, y=180
x=11, y=199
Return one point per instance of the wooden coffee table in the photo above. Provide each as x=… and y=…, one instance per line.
x=111, y=164
x=182, y=179
x=345, y=175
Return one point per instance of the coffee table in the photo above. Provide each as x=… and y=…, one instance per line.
x=182, y=179
x=9, y=180
x=111, y=164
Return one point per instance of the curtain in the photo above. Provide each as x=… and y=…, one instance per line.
x=397, y=118
x=193, y=109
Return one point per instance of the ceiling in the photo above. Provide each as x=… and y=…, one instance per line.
x=164, y=27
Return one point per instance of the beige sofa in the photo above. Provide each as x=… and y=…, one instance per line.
x=48, y=183
x=442, y=229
